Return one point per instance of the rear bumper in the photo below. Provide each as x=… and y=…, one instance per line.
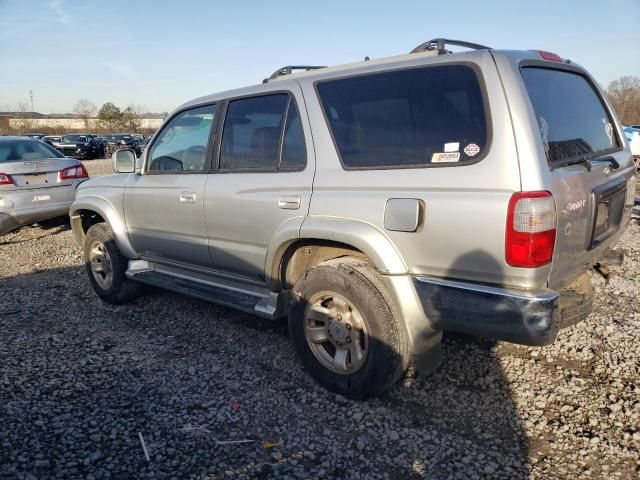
x=524, y=317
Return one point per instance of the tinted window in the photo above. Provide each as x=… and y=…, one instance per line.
x=571, y=117
x=294, y=154
x=251, y=135
x=182, y=144
x=407, y=118
x=12, y=150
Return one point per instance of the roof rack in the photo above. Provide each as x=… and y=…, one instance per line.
x=289, y=69
x=439, y=44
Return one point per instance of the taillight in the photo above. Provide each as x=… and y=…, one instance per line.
x=5, y=179
x=554, y=57
x=77, y=171
x=531, y=229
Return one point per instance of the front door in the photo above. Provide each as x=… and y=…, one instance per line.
x=164, y=206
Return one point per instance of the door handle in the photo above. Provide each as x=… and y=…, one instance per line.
x=187, y=197
x=289, y=203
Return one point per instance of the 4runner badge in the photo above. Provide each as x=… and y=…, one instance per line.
x=41, y=198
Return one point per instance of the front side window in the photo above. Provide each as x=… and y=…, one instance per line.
x=407, y=118
x=251, y=135
x=182, y=144
x=572, y=119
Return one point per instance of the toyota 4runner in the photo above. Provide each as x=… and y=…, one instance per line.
x=376, y=205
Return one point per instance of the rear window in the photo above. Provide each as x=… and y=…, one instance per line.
x=572, y=119
x=16, y=150
x=407, y=118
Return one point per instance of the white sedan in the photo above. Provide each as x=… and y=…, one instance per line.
x=633, y=137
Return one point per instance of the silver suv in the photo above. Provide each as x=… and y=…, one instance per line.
x=376, y=204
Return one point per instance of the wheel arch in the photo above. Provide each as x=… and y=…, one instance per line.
x=325, y=238
x=91, y=210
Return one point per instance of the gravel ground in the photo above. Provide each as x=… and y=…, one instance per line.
x=80, y=381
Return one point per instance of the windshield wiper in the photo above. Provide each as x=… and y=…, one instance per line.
x=584, y=159
x=614, y=163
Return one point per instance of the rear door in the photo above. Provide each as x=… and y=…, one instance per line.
x=263, y=183
x=590, y=171
x=164, y=206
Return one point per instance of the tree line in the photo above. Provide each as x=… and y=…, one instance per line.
x=624, y=95
x=110, y=117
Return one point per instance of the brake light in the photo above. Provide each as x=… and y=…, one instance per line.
x=531, y=229
x=554, y=57
x=5, y=179
x=77, y=171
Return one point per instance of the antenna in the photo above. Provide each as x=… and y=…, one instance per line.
x=31, y=96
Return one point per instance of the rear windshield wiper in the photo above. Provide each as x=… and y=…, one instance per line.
x=614, y=163
x=584, y=159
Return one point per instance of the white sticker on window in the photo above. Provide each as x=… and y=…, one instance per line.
x=445, y=157
x=608, y=129
x=451, y=147
x=471, y=150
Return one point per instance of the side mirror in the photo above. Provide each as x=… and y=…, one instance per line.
x=124, y=161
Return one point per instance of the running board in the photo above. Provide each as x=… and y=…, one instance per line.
x=261, y=302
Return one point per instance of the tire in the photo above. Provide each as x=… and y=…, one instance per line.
x=377, y=355
x=106, y=266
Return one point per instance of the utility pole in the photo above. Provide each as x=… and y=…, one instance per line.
x=31, y=96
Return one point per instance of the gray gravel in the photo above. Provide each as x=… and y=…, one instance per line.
x=80, y=380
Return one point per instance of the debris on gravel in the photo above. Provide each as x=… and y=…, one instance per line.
x=89, y=390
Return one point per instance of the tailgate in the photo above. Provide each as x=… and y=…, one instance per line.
x=591, y=174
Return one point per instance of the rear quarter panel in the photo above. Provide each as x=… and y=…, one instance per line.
x=463, y=231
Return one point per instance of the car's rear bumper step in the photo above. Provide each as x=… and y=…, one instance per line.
x=524, y=317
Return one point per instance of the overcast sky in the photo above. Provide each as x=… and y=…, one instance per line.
x=161, y=53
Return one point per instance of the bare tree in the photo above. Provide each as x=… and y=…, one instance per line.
x=624, y=94
x=85, y=110
x=25, y=116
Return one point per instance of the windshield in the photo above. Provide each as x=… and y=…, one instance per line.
x=16, y=150
x=74, y=139
x=572, y=118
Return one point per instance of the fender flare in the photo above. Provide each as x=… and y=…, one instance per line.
x=107, y=211
x=363, y=236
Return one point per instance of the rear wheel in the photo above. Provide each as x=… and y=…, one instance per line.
x=106, y=266
x=346, y=330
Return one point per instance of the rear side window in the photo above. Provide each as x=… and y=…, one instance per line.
x=408, y=118
x=251, y=135
x=572, y=119
x=294, y=154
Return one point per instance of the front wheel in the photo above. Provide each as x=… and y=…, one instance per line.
x=106, y=266
x=346, y=329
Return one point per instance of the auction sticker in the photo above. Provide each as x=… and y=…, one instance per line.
x=445, y=157
x=471, y=150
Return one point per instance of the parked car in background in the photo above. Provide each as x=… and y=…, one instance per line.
x=81, y=146
x=53, y=140
x=37, y=136
x=36, y=182
x=101, y=145
x=376, y=204
x=633, y=137
x=142, y=145
x=119, y=141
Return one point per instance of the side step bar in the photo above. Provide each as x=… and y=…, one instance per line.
x=262, y=302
